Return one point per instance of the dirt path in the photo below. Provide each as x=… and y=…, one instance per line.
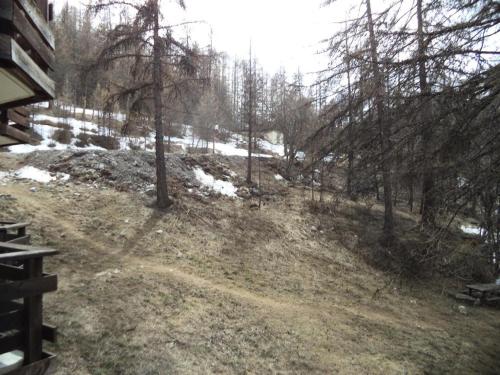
x=56, y=217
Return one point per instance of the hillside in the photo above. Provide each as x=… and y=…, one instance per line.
x=216, y=285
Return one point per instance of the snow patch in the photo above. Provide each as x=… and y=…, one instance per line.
x=275, y=148
x=278, y=177
x=207, y=180
x=472, y=229
x=10, y=361
x=32, y=173
x=42, y=125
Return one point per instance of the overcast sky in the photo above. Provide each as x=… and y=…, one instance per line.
x=283, y=32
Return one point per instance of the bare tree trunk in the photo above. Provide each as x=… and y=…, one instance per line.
x=375, y=182
x=350, y=152
x=162, y=198
x=260, y=189
x=312, y=180
x=384, y=132
x=428, y=196
x=411, y=175
x=322, y=181
x=250, y=121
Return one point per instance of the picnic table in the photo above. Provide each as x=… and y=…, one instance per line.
x=485, y=292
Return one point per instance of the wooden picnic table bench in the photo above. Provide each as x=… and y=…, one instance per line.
x=485, y=292
x=19, y=235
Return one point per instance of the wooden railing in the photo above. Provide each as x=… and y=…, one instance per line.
x=22, y=285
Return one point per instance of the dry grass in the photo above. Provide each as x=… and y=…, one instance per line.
x=214, y=287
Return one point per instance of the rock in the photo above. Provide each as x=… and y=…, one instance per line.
x=243, y=192
x=314, y=229
x=7, y=197
x=107, y=273
x=350, y=240
x=33, y=189
x=159, y=231
x=255, y=191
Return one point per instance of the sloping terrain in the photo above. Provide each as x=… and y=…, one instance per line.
x=217, y=286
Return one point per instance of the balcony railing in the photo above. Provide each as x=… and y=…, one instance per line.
x=22, y=285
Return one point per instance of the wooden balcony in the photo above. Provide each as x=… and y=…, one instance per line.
x=22, y=285
x=26, y=54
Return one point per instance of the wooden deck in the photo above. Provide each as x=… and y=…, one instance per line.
x=22, y=285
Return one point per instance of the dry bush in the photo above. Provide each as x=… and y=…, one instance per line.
x=134, y=146
x=63, y=136
x=176, y=130
x=470, y=261
x=104, y=141
x=197, y=150
x=83, y=140
x=324, y=208
x=223, y=134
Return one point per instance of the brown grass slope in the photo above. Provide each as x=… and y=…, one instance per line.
x=215, y=287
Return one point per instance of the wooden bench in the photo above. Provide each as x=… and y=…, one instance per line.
x=463, y=297
x=14, y=232
x=22, y=285
x=485, y=292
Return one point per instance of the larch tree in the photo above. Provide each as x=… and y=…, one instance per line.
x=158, y=62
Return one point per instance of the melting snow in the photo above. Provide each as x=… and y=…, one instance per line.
x=207, y=180
x=472, y=229
x=231, y=148
x=35, y=174
x=10, y=361
x=275, y=148
x=3, y=175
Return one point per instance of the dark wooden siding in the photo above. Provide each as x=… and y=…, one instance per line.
x=44, y=7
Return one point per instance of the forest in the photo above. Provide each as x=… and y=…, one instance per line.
x=216, y=213
x=407, y=106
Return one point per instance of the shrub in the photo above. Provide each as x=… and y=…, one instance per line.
x=134, y=146
x=63, y=136
x=83, y=140
x=105, y=141
x=174, y=130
